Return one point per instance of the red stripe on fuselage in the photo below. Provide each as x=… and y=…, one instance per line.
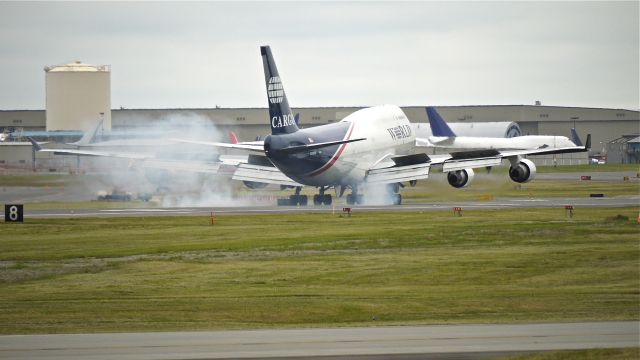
x=335, y=157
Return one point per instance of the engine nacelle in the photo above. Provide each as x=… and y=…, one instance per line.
x=523, y=172
x=254, y=185
x=460, y=178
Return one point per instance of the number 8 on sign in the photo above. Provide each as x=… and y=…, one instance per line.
x=13, y=213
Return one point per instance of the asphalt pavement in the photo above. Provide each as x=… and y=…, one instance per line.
x=399, y=342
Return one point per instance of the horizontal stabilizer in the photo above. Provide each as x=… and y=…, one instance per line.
x=257, y=146
x=300, y=148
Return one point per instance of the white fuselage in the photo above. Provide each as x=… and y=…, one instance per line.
x=514, y=143
x=386, y=130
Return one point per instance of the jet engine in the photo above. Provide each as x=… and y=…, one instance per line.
x=523, y=172
x=460, y=178
x=254, y=185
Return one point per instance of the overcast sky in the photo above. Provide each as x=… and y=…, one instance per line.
x=199, y=55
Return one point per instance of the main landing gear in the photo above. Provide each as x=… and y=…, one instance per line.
x=322, y=198
x=393, y=193
x=389, y=195
x=354, y=197
x=302, y=200
x=295, y=199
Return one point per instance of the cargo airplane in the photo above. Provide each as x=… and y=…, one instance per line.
x=374, y=145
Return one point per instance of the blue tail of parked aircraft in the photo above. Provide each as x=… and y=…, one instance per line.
x=575, y=138
x=281, y=119
x=438, y=126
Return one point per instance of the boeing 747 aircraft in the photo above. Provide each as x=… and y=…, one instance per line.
x=375, y=145
x=372, y=145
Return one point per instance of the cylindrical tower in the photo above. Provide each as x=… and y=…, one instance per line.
x=76, y=95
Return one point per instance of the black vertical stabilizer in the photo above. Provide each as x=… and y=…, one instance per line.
x=281, y=119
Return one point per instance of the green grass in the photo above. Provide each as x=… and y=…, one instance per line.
x=307, y=270
x=589, y=168
x=485, y=188
x=37, y=180
x=591, y=354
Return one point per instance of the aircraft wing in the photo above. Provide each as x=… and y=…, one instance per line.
x=256, y=146
x=400, y=169
x=147, y=160
x=491, y=157
x=121, y=155
x=262, y=174
x=550, y=150
x=97, y=153
x=180, y=165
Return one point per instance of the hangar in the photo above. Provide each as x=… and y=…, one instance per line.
x=604, y=125
x=79, y=94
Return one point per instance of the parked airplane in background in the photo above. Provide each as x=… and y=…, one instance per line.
x=487, y=151
x=444, y=137
x=372, y=145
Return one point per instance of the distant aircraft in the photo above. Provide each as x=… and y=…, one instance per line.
x=470, y=152
x=372, y=145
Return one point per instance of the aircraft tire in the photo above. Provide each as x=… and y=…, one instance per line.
x=283, y=202
x=303, y=200
x=350, y=199
x=327, y=200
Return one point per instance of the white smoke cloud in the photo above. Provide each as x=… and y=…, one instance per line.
x=175, y=176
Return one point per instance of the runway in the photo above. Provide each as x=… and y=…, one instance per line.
x=404, y=342
x=80, y=193
x=249, y=210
